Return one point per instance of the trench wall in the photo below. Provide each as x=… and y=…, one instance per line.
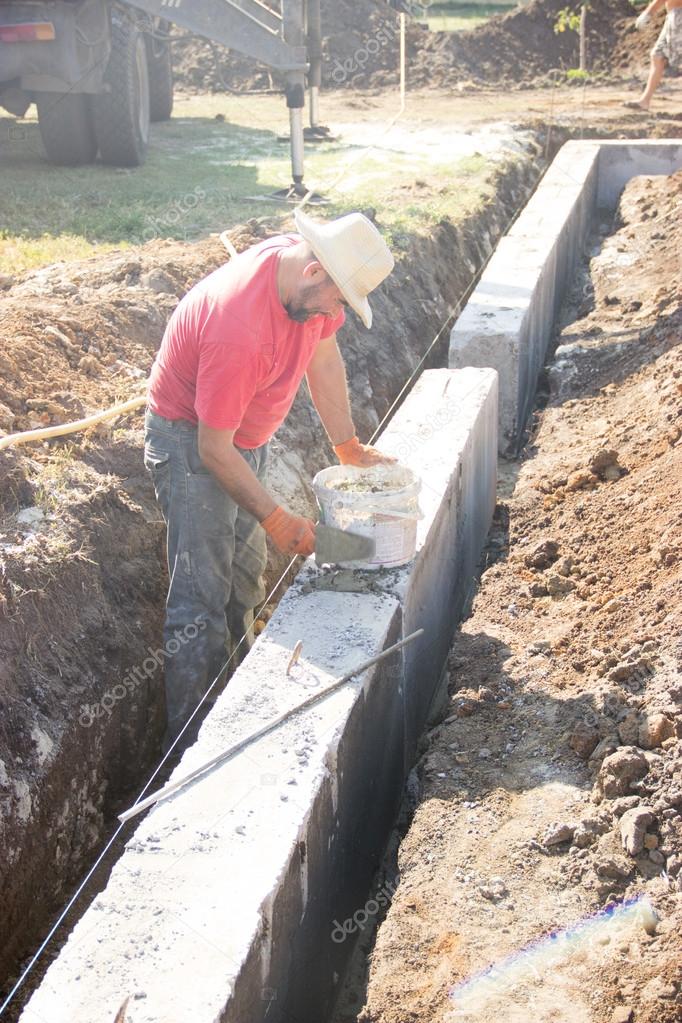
x=508, y=321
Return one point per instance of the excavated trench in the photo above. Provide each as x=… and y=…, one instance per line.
x=83, y=584
x=429, y=281
x=413, y=955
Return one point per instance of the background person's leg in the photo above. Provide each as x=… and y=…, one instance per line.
x=655, y=75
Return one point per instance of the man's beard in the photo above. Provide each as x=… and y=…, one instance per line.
x=298, y=312
x=304, y=308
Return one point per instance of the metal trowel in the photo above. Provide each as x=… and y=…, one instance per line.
x=333, y=545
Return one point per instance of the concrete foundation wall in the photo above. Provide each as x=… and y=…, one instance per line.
x=620, y=161
x=509, y=319
x=236, y=899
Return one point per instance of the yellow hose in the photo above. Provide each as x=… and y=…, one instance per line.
x=80, y=424
x=225, y=239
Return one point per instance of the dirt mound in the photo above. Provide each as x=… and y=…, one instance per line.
x=359, y=42
x=553, y=786
x=361, y=49
x=632, y=49
x=523, y=45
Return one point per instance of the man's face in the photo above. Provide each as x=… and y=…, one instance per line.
x=315, y=295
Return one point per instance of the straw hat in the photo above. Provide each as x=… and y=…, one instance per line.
x=352, y=252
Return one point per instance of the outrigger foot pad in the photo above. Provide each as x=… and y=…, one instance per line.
x=296, y=191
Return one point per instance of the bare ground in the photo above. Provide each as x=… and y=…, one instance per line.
x=552, y=788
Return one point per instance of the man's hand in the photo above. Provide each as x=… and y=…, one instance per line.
x=291, y=534
x=352, y=452
x=642, y=21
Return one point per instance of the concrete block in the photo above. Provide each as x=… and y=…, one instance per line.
x=507, y=324
x=190, y=923
x=233, y=901
x=447, y=433
x=509, y=319
x=620, y=160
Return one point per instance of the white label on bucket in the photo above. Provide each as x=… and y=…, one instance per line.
x=395, y=541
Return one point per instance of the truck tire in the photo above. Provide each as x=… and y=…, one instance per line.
x=66, y=127
x=121, y=113
x=160, y=65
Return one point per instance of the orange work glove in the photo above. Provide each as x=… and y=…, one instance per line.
x=352, y=452
x=292, y=534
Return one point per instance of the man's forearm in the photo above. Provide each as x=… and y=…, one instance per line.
x=329, y=391
x=237, y=477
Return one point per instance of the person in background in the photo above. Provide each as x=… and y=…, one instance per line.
x=667, y=49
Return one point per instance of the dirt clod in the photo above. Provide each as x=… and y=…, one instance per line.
x=654, y=730
x=605, y=465
x=619, y=771
x=633, y=825
x=558, y=833
x=543, y=554
x=584, y=739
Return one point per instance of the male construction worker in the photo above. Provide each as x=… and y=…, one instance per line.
x=667, y=49
x=230, y=363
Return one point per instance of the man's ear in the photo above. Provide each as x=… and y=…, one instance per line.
x=314, y=270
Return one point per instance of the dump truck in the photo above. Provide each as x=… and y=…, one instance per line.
x=100, y=70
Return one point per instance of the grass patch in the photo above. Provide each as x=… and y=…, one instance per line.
x=18, y=252
x=211, y=167
x=415, y=198
x=576, y=74
x=63, y=480
x=456, y=17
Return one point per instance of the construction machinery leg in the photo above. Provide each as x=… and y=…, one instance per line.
x=314, y=40
x=295, y=93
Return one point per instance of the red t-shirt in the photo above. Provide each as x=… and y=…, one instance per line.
x=231, y=356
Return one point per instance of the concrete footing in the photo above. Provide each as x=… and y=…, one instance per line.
x=508, y=322
x=239, y=898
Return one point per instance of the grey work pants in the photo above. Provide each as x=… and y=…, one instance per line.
x=216, y=557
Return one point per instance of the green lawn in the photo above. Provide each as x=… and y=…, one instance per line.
x=212, y=166
x=454, y=17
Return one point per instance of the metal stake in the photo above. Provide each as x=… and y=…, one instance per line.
x=168, y=790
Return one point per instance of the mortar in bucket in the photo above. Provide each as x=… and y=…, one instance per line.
x=381, y=502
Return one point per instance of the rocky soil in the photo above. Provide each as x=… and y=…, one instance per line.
x=360, y=48
x=522, y=47
x=346, y=27
x=82, y=573
x=551, y=790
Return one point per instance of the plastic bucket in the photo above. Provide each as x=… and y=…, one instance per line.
x=381, y=502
